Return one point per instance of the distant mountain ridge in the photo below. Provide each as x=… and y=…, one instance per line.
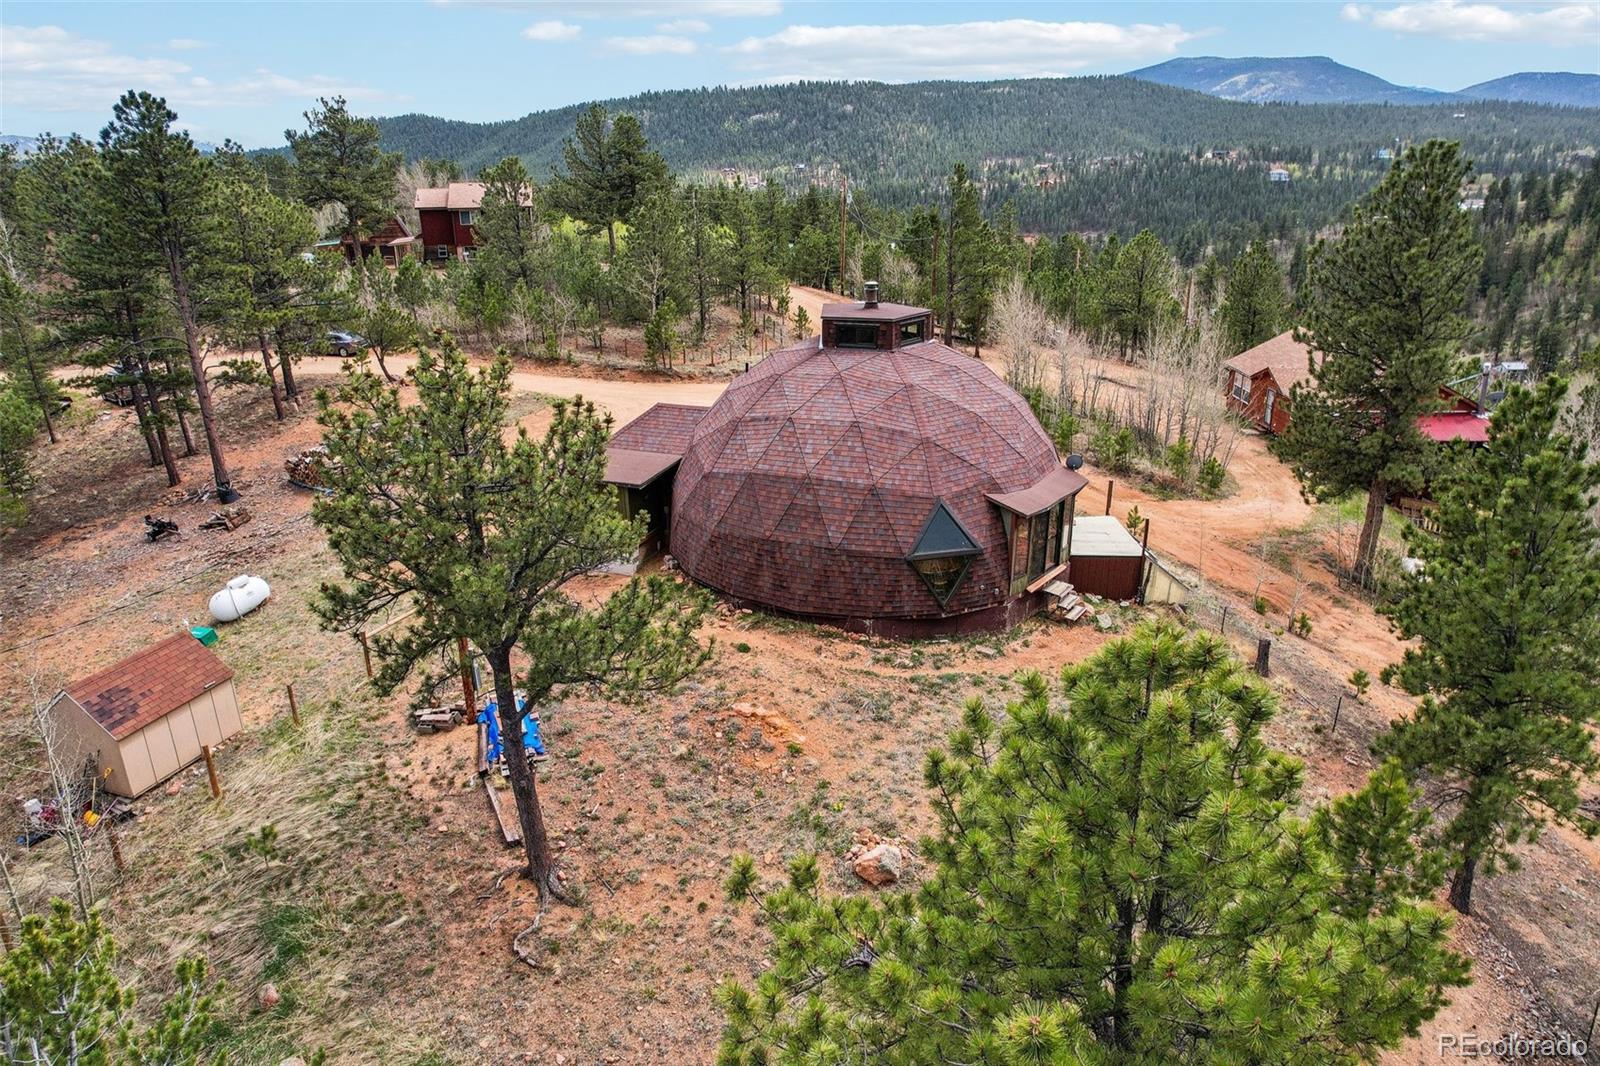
x=1320, y=80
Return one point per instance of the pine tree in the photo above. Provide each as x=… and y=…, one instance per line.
x=653, y=261
x=339, y=162
x=432, y=506
x=61, y=1001
x=1256, y=305
x=969, y=273
x=1506, y=615
x=1118, y=882
x=19, y=426
x=609, y=166
x=512, y=238
x=264, y=236
x=167, y=195
x=1384, y=315
x=1138, y=291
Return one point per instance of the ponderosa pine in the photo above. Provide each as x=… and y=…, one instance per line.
x=1506, y=618
x=1118, y=878
x=1384, y=316
x=433, y=506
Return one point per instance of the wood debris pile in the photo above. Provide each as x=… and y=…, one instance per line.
x=308, y=469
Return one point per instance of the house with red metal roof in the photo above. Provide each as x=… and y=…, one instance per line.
x=868, y=477
x=1258, y=382
x=145, y=718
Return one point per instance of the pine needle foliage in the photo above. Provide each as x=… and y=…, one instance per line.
x=1506, y=618
x=1118, y=879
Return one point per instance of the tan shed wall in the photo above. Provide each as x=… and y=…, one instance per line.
x=166, y=746
x=84, y=737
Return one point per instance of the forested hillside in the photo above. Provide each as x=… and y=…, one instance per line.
x=1073, y=153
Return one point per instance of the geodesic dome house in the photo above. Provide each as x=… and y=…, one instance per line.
x=870, y=477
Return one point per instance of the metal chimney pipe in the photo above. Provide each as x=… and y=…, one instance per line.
x=869, y=295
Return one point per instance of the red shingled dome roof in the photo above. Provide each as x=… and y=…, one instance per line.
x=813, y=478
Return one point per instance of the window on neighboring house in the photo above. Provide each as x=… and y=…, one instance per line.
x=441, y=251
x=855, y=335
x=943, y=553
x=468, y=251
x=1241, y=387
x=467, y=217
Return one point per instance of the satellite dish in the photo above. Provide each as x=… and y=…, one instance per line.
x=1074, y=461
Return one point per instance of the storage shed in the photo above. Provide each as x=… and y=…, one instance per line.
x=145, y=718
x=1106, y=560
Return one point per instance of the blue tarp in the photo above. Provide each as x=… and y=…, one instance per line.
x=531, y=739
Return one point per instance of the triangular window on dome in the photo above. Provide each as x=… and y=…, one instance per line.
x=943, y=553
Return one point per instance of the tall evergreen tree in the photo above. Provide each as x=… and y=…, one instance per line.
x=19, y=426
x=609, y=166
x=167, y=194
x=339, y=162
x=1256, y=306
x=1121, y=883
x=1138, y=291
x=1384, y=318
x=969, y=273
x=512, y=238
x=653, y=261
x=432, y=505
x=264, y=237
x=1506, y=616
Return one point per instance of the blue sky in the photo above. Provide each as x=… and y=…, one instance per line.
x=247, y=70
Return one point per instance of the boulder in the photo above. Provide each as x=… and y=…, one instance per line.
x=880, y=865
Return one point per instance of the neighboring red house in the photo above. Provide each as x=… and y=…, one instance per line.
x=1462, y=420
x=390, y=241
x=1259, y=379
x=448, y=215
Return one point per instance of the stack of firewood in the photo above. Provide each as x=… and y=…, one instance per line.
x=308, y=468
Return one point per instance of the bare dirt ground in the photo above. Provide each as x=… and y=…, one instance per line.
x=383, y=913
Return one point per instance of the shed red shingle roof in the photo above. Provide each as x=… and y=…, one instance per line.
x=1285, y=357
x=126, y=697
x=806, y=486
x=458, y=196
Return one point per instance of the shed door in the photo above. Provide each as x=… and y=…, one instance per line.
x=1272, y=402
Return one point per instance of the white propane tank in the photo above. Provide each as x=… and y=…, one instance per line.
x=239, y=597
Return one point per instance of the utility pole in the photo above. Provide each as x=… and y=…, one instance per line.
x=844, y=187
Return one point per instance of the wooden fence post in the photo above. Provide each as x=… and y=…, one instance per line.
x=1222, y=626
x=1263, y=650
x=294, y=708
x=1111, y=483
x=116, y=846
x=366, y=651
x=211, y=771
x=1337, y=707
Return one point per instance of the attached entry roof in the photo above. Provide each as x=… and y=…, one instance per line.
x=149, y=684
x=1043, y=494
x=652, y=444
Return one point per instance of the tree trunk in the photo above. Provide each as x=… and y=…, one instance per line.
x=611, y=239
x=183, y=429
x=1371, y=527
x=158, y=423
x=141, y=412
x=291, y=391
x=1461, y=884
x=272, y=378
x=38, y=390
x=1122, y=977
x=950, y=279
x=524, y=787
x=202, y=390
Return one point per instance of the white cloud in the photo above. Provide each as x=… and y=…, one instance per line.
x=685, y=26
x=632, y=9
x=48, y=68
x=1001, y=49
x=552, y=30
x=656, y=45
x=1563, y=24
x=187, y=44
